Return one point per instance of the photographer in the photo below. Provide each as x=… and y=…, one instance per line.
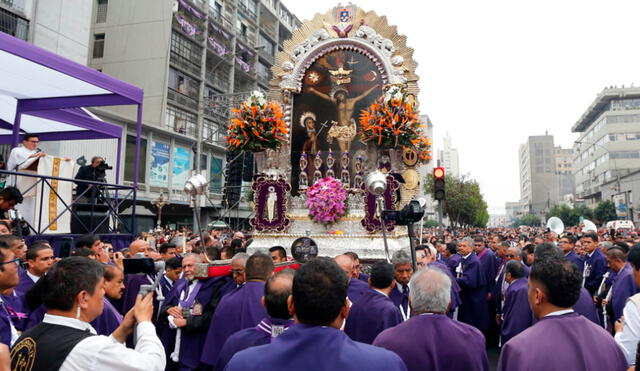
x=73, y=293
x=94, y=172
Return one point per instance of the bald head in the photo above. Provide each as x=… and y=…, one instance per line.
x=138, y=246
x=346, y=263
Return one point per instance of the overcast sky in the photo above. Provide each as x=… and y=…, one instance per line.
x=494, y=72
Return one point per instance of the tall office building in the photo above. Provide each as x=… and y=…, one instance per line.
x=61, y=26
x=448, y=157
x=195, y=60
x=539, y=189
x=608, y=147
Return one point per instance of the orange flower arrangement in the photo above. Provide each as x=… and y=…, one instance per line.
x=391, y=122
x=256, y=125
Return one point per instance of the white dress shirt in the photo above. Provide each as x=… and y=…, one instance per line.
x=33, y=277
x=97, y=353
x=628, y=338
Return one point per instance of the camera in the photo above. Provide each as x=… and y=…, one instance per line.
x=20, y=226
x=145, y=289
x=101, y=171
x=409, y=214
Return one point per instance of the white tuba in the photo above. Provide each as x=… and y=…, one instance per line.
x=555, y=225
x=589, y=226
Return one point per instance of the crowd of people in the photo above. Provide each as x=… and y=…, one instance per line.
x=549, y=302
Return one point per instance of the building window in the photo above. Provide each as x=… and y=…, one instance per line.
x=186, y=54
x=101, y=12
x=180, y=121
x=130, y=159
x=183, y=84
x=13, y=25
x=98, y=45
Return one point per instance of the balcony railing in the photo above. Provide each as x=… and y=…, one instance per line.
x=184, y=64
x=18, y=5
x=246, y=11
x=218, y=80
x=221, y=20
x=182, y=100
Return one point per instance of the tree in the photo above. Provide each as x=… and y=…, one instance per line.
x=464, y=204
x=604, y=212
x=570, y=216
x=529, y=220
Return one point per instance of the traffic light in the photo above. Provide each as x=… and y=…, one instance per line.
x=438, y=183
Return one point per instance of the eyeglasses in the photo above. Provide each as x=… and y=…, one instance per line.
x=510, y=256
x=16, y=261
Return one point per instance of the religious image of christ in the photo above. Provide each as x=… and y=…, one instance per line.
x=344, y=130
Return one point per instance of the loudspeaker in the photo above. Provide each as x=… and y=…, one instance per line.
x=90, y=221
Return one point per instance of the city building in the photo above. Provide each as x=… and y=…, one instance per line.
x=195, y=60
x=61, y=27
x=515, y=210
x=608, y=147
x=539, y=184
x=448, y=157
x=425, y=170
x=564, y=172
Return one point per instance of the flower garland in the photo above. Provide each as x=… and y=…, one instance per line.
x=391, y=122
x=256, y=125
x=326, y=201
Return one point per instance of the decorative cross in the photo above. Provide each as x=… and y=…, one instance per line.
x=159, y=203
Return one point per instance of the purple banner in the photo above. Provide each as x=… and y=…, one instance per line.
x=245, y=49
x=246, y=67
x=187, y=27
x=220, y=31
x=191, y=9
x=218, y=48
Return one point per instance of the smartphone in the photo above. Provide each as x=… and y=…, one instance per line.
x=65, y=247
x=133, y=266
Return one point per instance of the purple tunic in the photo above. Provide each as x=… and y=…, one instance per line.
x=565, y=342
x=193, y=335
x=25, y=283
x=452, y=262
x=576, y=259
x=237, y=310
x=17, y=309
x=356, y=289
x=623, y=288
x=436, y=342
x=455, y=288
x=516, y=313
x=489, y=266
x=5, y=325
x=474, y=309
x=585, y=307
x=108, y=320
x=597, y=266
x=250, y=337
x=400, y=297
x=132, y=288
x=373, y=313
x=304, y=347
x=364, y=277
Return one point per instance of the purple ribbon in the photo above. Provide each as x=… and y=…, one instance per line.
x=188, y=303
x=187, y=27
x=191, y=9
x=246, y=67
x=218, y=48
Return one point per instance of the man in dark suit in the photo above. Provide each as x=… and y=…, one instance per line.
x=88, y=172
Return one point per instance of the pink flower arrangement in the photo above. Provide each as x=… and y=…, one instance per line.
x=325, y=200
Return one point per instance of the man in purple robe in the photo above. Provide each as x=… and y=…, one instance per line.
x=628, y=331
x=374, y=312
x=132, y=282
x=188, y=309
x=277, y=290
x=586, y=307
x=110, y=318
x=239, y=309
x=424, y=258
x=561, y=339
x=8, y=280
x=403, y=267
x=451, y=257
x=40, y=259
x=357, y=287
x=516, y=314
x=469, y=275
x=315, y=342
x=357, y=273
x=568, y=244
x=500, y=285
x=430, y=340
x=622, y=288
x=595, y=264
